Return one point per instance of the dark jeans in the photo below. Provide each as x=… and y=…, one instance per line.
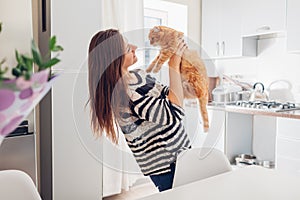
x=164, y=181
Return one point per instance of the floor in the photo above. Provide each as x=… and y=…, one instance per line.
x=135, y=192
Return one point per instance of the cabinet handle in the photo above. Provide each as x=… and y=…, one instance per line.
x=223, y=48
x=263, y=28
x=218, y=49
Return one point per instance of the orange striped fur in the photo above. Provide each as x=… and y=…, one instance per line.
x=193, y=71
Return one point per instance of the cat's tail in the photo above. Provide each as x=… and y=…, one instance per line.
x=203, y=110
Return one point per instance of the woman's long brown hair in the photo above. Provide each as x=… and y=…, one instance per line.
x=106, y=88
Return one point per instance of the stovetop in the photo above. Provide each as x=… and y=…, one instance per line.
x=268, y=105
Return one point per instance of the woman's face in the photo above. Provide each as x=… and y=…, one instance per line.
x=129, y=57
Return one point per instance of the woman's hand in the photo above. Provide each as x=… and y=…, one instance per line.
x=175, y=60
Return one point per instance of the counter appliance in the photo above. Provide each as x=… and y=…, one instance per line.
x=268, y=105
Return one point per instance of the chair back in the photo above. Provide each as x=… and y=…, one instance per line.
x=199, y=163
x=16, y=185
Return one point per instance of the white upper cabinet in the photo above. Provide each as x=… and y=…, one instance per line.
x=231, y=41
x=221, y=29
x=210, y=28
x=263, y=17
x=293, y=28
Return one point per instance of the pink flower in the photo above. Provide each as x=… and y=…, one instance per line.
x=23, y=84
x=40, y=77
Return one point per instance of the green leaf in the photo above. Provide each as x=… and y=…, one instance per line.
x=25, y=63
x=27, y=75
x=2, y=71
x=52, y=43
x=22, y=68
x=37, y=58
x=50, y=63
x=18, y=57
x=57, y=48
x=16, y=72
x=2, y=61
x=28, y=62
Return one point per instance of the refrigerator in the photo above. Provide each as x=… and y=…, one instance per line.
x=70, y=163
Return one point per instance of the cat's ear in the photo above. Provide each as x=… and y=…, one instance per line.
x=156, y=29
x=180, y=34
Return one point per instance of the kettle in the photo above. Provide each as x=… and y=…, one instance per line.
x=280, y=90
x=258, y=93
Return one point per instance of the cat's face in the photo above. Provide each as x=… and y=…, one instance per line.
x=155, y=35
x=161, y=36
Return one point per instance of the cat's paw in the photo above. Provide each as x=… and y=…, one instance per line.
x=150, y=67
x=157, y=68
x=148, y=70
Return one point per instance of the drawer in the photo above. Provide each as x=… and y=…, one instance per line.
x=288, y=127
x=288, y=148
x=288, y=165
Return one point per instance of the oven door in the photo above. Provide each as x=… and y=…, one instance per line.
x=17, y=151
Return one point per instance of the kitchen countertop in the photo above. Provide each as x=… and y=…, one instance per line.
x=252, y=111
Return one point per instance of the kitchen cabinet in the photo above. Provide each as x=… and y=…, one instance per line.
x=221, y=30
x=216, y=133
x=239, y=129
x=288, y=145
x=264, y=137
x=210, y=28
x=293, y=28
x=263, y=17
x=193, y=124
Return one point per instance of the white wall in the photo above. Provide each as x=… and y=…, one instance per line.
x=194, y=18
x=272, y=63
x=16, y=29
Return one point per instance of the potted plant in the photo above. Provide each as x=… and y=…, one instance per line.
x=20, y=94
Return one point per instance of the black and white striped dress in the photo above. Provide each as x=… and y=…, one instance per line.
x=152, y=125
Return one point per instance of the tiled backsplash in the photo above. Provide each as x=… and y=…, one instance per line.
x=272, y=63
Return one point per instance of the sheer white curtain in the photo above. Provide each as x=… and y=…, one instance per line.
x=118, y=162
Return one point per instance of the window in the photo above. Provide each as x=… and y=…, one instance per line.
x=153, y=18
x=156, y=13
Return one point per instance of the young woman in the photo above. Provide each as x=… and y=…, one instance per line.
x=148, y=113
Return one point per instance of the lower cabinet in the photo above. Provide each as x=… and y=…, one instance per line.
x=264, y=137
x=288, y=165
x=238, y=140
x=288, y=145
x=269, y=138
x=216, y=134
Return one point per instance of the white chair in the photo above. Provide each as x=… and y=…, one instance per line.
x=199, y=163
x=16, y=185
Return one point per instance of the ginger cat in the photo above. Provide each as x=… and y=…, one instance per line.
x=193, y=72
